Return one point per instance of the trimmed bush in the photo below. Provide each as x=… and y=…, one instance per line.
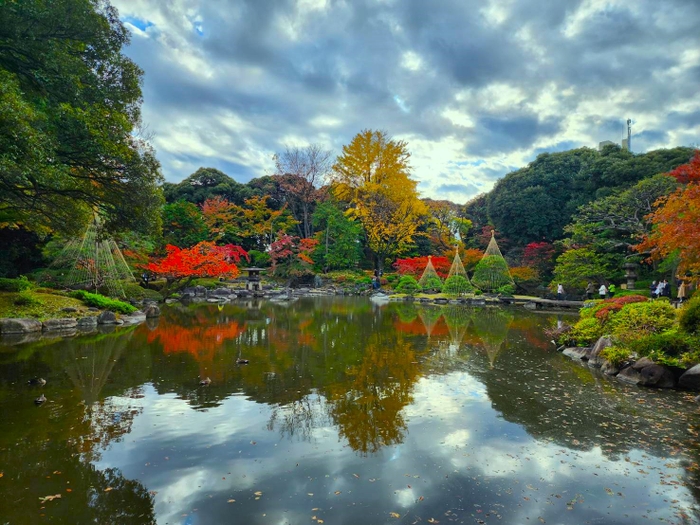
x=584, y=333
x=100, y=301
x=408, y=285
x=638, y=319
x=506, y=289
x=672, y=343
x=14, y=285
x=690, y=316
x=491, y=272
x=433, y=284
x=134, y=291
x=615, y=354
x=27, y=298
x=457, y=285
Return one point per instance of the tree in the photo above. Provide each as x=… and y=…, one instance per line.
x=181, y=266
x=218, y=213
x=576, y=267
x=415, y=266
x=301, y=172
x=338, y=238
x=372, y=175
x=69, y=120
x=540, y=257
x=675, y=229
x=183, y=224
x=206, y=183
x=255, y=222
x=291, y=256
x=689, y=172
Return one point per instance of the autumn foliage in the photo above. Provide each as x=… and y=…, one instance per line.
x=205, y=259
x=416, y=265
x=675, y=221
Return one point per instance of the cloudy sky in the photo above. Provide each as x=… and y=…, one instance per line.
x=476, y=88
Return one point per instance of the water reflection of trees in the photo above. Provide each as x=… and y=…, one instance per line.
x=52, y=449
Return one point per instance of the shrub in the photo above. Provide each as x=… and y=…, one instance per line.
x=134, y=291
x=690, y=316
x=615, y=354
x=100, y=301
x=457, y=285
x=491, y=272
x=14, y=285
x=433, y=284
x=606, y=308
x=671, y=343
x=637, y=319
x=506, y=289
x=584, y=333
x=408, y=285
x=27, y=298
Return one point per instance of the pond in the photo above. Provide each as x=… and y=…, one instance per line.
x=347, y=412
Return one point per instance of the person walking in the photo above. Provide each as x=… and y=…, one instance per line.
x=660, y=289
x=681, y=292
x=602, y=291
x=666, y=291
x=652, y=289
x=560, y=292
x=589, y=290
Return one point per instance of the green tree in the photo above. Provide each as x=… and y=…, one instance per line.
x=183, y=224
x=338, y=238
x=207, y=183
x=576, y=267
x=69, y=120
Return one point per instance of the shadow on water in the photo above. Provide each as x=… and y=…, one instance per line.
x=324, y=397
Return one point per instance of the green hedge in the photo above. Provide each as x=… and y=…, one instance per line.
x=690, y=316
x=100, y=301
x=14, y=285
x=408, y=285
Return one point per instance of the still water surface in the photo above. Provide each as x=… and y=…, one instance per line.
x=347, y=413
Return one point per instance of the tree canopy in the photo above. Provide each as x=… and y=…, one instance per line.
x=69, y=120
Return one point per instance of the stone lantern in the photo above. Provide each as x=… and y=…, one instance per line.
x=630, y=274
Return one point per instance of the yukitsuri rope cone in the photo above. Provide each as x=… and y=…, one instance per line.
x=492, y=271
x=457, y=282
x=93, y=261
x=430, y=315
x=427, y=280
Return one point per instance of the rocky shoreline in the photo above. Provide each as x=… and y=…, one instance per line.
x=642, y=372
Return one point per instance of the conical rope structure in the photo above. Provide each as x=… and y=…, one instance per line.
x=492, y=271
x=430, y=278
x=457, y=267
x=94, y=261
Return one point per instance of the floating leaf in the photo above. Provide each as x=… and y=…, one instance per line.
x=50, y=498
x=394, y=514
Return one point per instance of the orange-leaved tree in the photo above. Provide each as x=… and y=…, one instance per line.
x=675, y=229
x=182, y=265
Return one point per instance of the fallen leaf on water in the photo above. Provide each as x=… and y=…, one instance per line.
x=108, y=489
x=394, y=514
x=50, y=498
x=432, y=520
x=231, y=501
x=310, y=494
x=337, y=492
x=258, y=493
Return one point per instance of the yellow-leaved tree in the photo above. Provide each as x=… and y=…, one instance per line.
x=372, y=176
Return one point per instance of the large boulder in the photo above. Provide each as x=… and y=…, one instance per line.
x=87, y=322
x=690, y=379
x=19, y=326
x=134, y=318
x=647, y=373
x=657, y=376
x=65, y=323
x=595, y=360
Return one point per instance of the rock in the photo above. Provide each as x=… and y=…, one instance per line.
x=531, y=305
x=630, y=375
x=65, y=323
x=200, y=291
x=107, y=317
x=87, y=322
x=642, y=363
x=221, y=291
x=610, y=369
x=170, y=301
x=440, y=301
x=19, y=326
x=657, y=376
x=578, y=352
x=135, y=318
x=69, y=310
x=690, y=379
x=93, y=309
x=151, y=311
x=594, y=358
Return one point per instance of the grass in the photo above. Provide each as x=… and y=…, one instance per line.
x=49, y=306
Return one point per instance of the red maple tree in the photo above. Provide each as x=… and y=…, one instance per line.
x=416, y=265
x=182, y=265
x=688, y=172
